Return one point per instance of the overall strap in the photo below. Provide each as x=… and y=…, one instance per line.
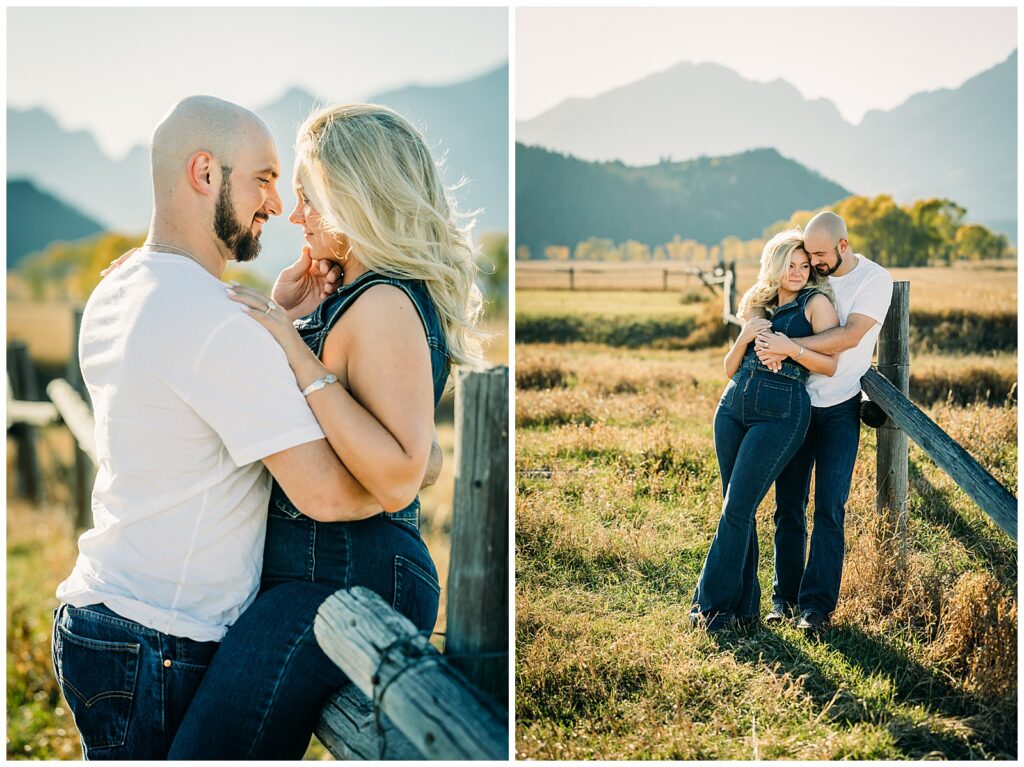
x=349, y=293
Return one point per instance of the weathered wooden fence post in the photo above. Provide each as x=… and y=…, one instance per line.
x=664, y=280
x=85, y=471
x=892, y=482
x=25, y=386
x=477, y=631
x=572, y=278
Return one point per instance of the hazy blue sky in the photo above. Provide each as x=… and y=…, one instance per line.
x=859, y=58
x=115, y=71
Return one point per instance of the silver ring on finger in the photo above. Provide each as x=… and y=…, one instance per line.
x=270, y=307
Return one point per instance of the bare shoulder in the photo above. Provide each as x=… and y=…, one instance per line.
x=819, y=302
x=381, y=305
x=820, y=310
x=381, y=314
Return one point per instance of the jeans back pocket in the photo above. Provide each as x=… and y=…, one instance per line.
x=98, y=680
x=773, y=399
x=417, y=593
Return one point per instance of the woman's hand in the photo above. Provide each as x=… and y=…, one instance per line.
x=273, y=318
x=777, y=343
x=118, y=261
x=301, y=287
x=753, y=327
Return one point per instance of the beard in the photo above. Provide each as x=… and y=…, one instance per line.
x=238, y=238
x=824, y=270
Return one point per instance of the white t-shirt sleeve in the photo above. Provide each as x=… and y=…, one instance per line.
x=874, y=296
x=243, y=387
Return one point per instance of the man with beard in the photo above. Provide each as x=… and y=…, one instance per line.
x=192, y=399
x=863, y=291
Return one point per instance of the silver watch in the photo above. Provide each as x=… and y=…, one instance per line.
x=319, y=383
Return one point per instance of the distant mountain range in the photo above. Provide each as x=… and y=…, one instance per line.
x=465, y=123
x=35, y=219
x=561, y=200
x=959, y=143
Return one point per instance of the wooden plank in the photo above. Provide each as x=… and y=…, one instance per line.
x=85, y=469
x=994, y=499
x=76, y=414
x=32, y=413
x=349, y=729
x=476, y=634
x=428, y=700
x=892, y=476
x=24, y=386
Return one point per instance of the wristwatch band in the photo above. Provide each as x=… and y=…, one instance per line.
x=319, y=383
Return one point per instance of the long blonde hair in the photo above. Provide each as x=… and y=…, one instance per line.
x=764, y=293
x=370, y=175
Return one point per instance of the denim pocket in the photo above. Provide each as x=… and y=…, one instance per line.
x=417, y=593
x=728, y=394
x=98, y=680
x=772, y=399
x=289, y=549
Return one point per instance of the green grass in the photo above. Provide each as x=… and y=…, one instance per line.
x=617, y=498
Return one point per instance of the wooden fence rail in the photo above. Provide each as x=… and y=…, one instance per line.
x=712, y=280
x=438, y=711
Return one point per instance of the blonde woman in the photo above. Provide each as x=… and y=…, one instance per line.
x=372, y=359
x=760, y=421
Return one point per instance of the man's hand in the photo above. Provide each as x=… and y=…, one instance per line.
x=434, y=463
x=301, y=287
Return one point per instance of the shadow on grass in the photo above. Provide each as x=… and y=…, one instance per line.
x=913, y=685
x=989, y=549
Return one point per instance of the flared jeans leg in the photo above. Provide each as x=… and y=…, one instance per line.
x=757, y=431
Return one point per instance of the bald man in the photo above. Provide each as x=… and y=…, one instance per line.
x=863, y=291
x=192, y=400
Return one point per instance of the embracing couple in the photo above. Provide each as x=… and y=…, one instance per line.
x=254, y=454
x=792, y=406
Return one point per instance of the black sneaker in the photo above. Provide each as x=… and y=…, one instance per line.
x=779, y=614
x=812, y=622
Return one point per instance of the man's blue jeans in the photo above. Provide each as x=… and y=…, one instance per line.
x=127, y=685
x=831, y=450
x=759, y=424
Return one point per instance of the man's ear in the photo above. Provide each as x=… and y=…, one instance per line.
x=200, y=172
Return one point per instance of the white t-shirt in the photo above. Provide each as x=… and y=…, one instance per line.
x=189, y=394
x=867, y=290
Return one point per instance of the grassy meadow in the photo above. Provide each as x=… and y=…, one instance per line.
x=617, y=499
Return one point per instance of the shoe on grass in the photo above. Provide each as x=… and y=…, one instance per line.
x=779, y=614
x=812, y=622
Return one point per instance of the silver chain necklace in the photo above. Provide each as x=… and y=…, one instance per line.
x=171, y=247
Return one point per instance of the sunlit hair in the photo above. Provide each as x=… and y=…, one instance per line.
x=370, y=175
x=775, y=257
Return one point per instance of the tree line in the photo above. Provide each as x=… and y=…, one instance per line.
x=926, y=232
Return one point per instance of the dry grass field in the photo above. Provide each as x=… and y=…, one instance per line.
x=985, y=287
x=617, y=498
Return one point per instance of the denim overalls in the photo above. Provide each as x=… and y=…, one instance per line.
x=384, y=552
x=270, y=679
x=760, y=423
